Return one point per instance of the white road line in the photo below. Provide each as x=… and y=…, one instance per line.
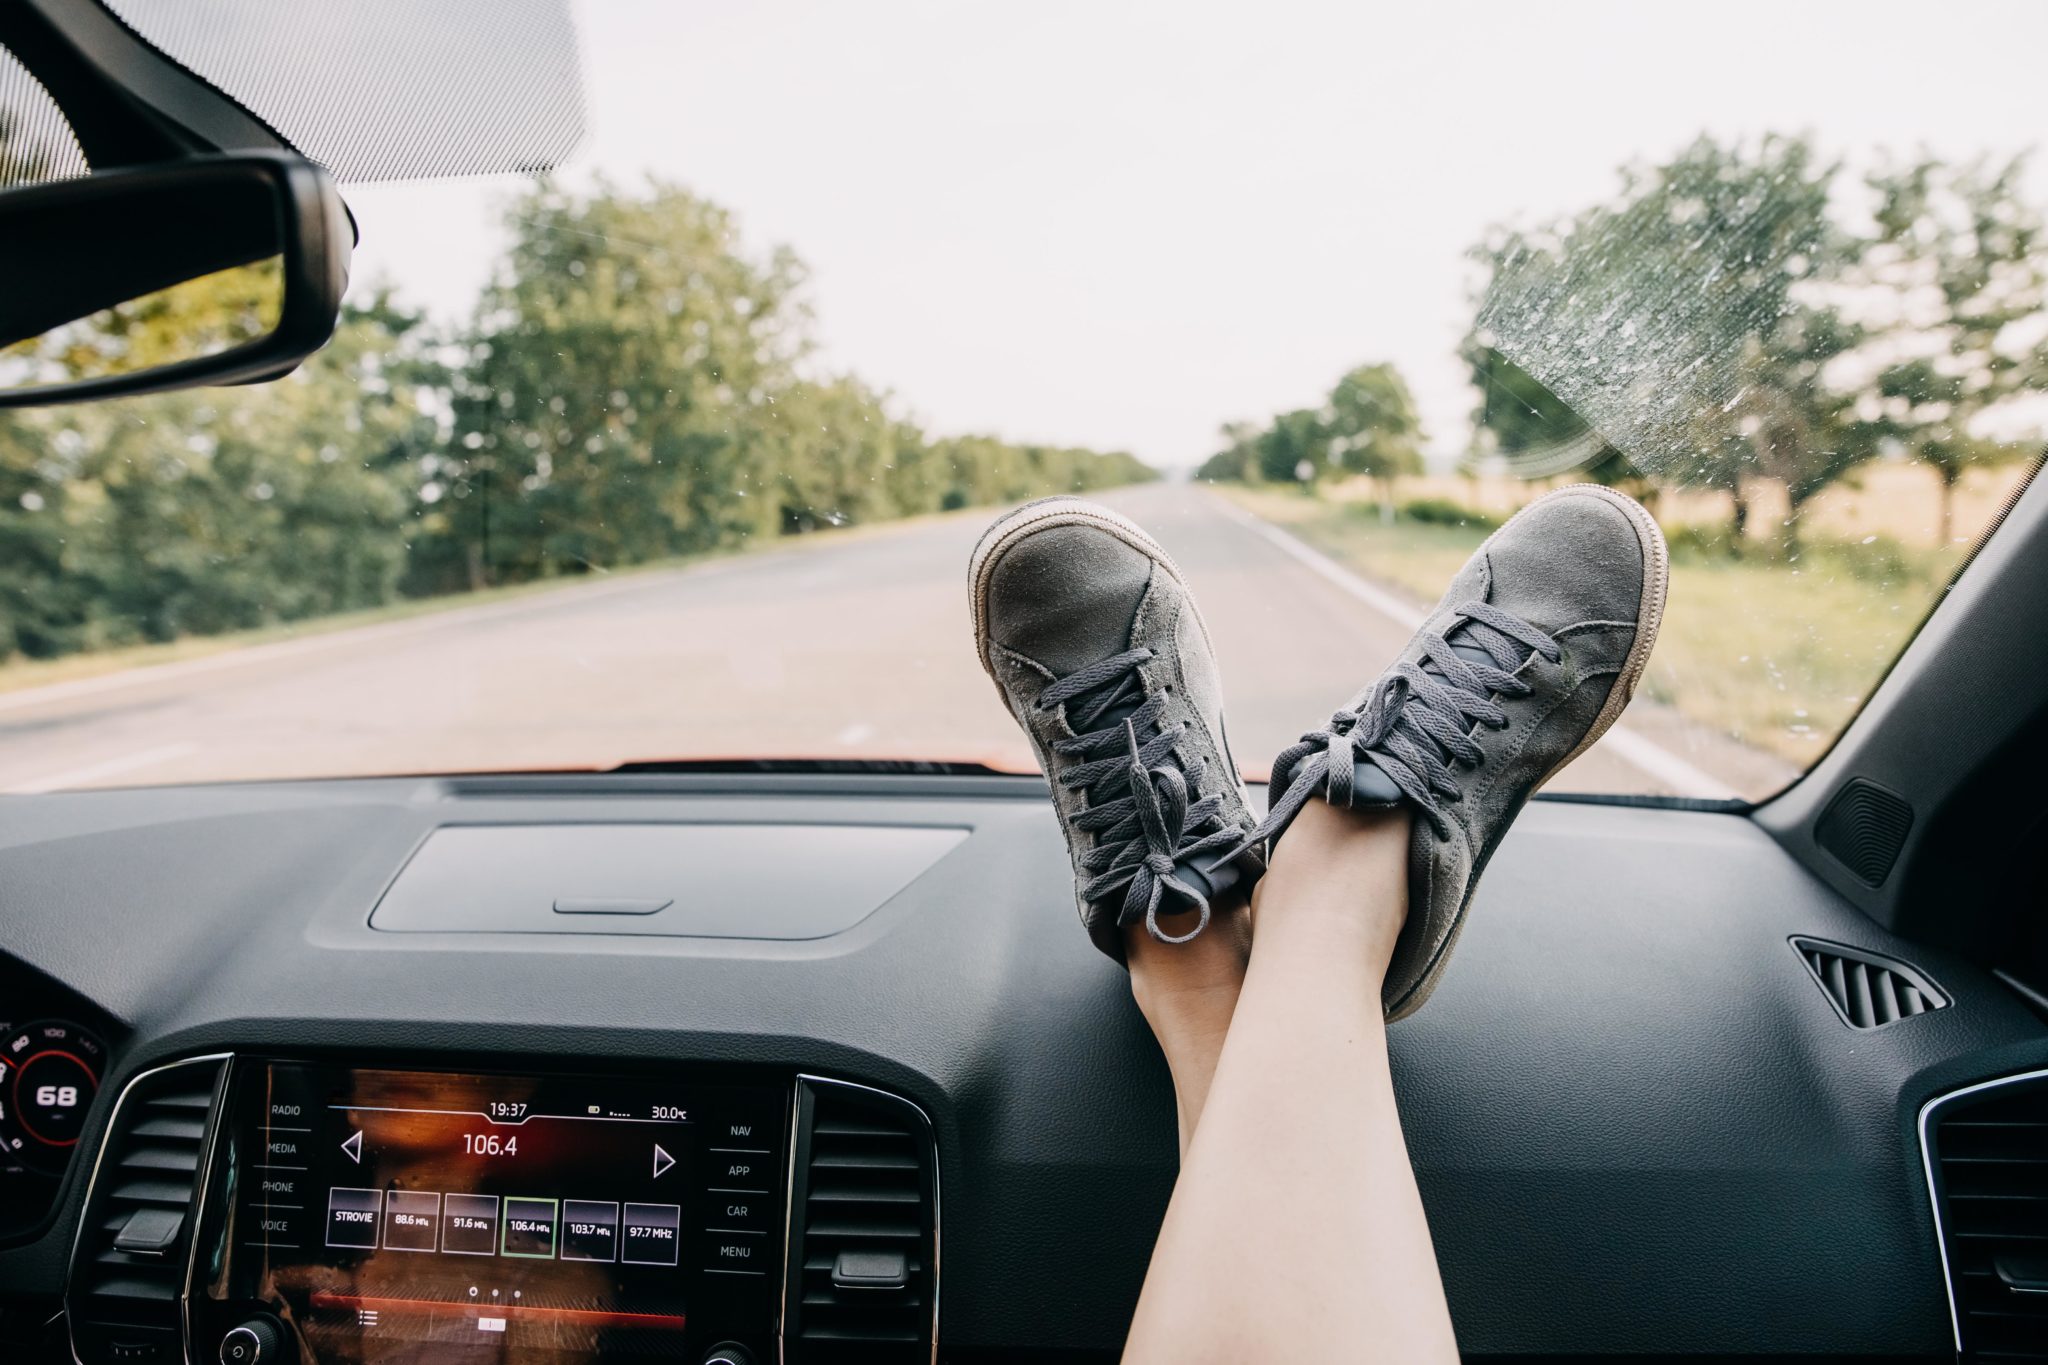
x=111, y=767
x=1637, y=750
x=283, y=649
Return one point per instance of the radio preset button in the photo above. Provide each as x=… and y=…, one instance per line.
x=469, y=1224
x=590, y=1230
x=652, y=1234
x=411, y=1220
x=352, y=1217
x=530, y=1228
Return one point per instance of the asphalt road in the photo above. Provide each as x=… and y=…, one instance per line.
x=850, y=644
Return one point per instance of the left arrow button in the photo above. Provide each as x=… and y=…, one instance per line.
x=354, y=1147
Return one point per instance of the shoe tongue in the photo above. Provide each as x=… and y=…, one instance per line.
x=1104, y=708
x=1372, y=787
x=1108, y=706
x=1465, y=642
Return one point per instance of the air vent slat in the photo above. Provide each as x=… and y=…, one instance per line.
x=170, y=1192
x=1868, y=990
x=891, y=1161
x=151, y=1289
x=1988, y=1148
x=848, y=1227
x=843, y=1194
x=854, y=1128
x=181, y=1160
x=151, y=1158
x=868, y=1183
x=173, y=1128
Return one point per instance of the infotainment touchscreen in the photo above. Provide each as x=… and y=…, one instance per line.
x=379, y=1216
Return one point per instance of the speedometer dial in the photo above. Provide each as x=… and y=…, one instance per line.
x=49, y=1072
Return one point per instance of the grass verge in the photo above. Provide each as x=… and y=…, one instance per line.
x=1778, y=654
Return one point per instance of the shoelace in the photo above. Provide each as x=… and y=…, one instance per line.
x=1138, y=806
x=1415, y=725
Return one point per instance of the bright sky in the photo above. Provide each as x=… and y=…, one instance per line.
x=1121, y=225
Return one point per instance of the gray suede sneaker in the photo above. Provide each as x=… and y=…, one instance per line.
x=1528, y=659
x=1097, y=649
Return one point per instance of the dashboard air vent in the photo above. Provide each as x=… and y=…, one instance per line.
x=1987, y=1168
x=136, y=1232
x=1867, y=990
x=863, y=1272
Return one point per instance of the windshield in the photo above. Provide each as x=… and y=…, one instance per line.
x=677, y=451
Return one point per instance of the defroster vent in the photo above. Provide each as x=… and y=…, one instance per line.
x=1987, y=1170
x=864, y=1254
x=1867, y=990
x=128, y=1273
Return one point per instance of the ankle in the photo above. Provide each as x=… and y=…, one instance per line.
x=1183, y=987
x=1338, y=882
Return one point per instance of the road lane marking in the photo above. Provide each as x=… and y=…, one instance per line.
x=1637, y=750
x=110, y=767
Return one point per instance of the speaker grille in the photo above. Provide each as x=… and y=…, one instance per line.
x=1865, y=827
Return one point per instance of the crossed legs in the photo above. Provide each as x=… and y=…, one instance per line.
x=1291, y=1236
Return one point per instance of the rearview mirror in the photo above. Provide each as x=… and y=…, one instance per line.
x=209, y=270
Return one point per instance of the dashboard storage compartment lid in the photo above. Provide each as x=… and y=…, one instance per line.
x=756, y=881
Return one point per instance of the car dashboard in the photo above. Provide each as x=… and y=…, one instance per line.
x=819, y=1067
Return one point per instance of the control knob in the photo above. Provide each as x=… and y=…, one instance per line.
x=729, y=1353
x=259, y=1341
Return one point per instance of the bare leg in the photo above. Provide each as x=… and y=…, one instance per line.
x=1296, y=1232
x=1187, y=992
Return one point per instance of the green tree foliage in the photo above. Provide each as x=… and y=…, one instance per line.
x=1725, y=320
x=1368, y=425
x=619, y=383
x=1238, y=461
x=631, y=388
x=1373, y=429
x=1295, y=447
x=217, y=509
x=1535, y=431
x=1962, y=279
x=1687, y=323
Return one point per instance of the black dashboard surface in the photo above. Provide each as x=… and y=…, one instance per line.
x=1638, y=1124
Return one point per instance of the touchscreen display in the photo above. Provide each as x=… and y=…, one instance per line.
x=399, y=1216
